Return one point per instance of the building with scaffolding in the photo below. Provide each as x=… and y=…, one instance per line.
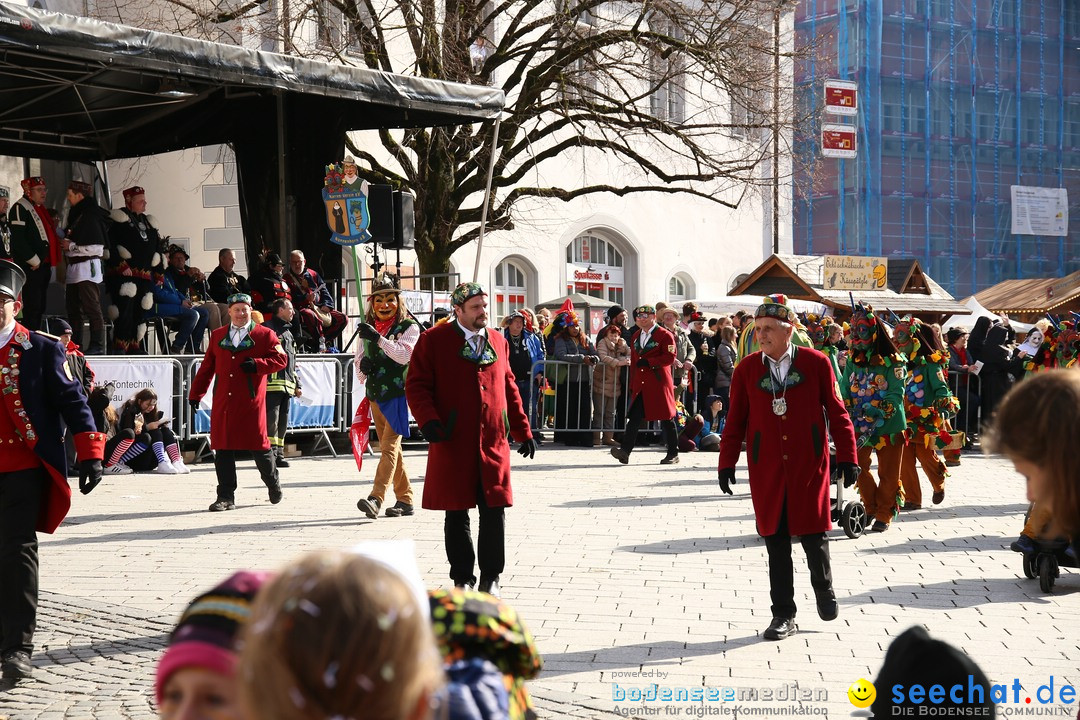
x=958, y=101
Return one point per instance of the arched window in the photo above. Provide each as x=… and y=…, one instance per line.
x=510, y=289
x=680, y=288
x=595, y=268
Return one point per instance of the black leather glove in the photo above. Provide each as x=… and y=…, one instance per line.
x=366, y=365
x=850, y=472
x=194, y=406
x=368, y=332
x=528, y=449
x=89, y=475
x=642, y=362
x=248, y=366
x=727, y=479
x=434, y=431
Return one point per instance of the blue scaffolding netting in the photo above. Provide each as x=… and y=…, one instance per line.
x=958, y=101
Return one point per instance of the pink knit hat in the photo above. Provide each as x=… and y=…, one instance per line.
x=207, y=632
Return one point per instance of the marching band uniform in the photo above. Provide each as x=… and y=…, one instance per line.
x=239, y=359
x=652, y=393
x=464, y=398
x=38, y=398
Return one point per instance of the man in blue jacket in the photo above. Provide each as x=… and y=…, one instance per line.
x=170, y=301
x=38, y=397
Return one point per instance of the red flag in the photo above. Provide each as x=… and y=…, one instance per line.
x=358, y=431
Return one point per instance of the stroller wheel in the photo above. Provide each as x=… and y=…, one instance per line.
x=1031, y=569
x=1048, y=572
x=853, y=519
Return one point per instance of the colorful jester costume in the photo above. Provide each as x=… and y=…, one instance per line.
x=817, y=329
x=873, y=391
x=929, y=404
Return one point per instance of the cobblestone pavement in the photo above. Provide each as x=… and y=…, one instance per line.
x=627, y=575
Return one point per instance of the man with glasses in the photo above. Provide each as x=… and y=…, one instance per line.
x=652, y=394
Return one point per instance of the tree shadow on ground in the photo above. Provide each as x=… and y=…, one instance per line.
x=962, y=593
x=637, y=501
x=181, y=533
x=695, y=545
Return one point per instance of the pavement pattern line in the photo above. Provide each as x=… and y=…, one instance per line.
x=628, y=575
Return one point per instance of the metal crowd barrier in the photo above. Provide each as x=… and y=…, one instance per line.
x=555, y=408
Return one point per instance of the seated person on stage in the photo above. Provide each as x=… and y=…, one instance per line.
x=320, y=321
x=169, y=301
x=143, y=441
x=192, y=282
x=225, y=281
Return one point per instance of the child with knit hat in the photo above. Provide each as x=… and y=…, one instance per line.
x=196, y=675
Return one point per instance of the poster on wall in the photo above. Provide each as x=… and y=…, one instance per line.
x=1040, y=211
x=345, y=197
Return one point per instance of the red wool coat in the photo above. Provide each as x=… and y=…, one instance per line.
x=238, y=417
x=476, y=403
x=653, y=383
x=788, y=455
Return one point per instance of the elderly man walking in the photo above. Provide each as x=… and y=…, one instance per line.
x=784, y=404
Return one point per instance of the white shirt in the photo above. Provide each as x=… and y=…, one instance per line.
x=470, y=334
x=643, y=338
x=237, y=334
x=779, y=368
x=6, y=333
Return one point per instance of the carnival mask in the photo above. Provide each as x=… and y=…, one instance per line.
x=817, y=331
x=385, y=305
x=863, y=333
x=904, y=336
x=1068, y=345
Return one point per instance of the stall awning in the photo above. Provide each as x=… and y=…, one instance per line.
x=76, y=88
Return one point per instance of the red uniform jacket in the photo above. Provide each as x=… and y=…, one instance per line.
x=37, y=391
x=238, y=417
x=477, y=401
x=788, y=454
x=654, y=383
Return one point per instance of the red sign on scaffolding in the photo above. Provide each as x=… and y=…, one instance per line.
x=841, y=97
x=838, y=141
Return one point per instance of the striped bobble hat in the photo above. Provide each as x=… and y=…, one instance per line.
x=208, y=630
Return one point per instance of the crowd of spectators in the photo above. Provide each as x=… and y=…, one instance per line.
x=119, y=269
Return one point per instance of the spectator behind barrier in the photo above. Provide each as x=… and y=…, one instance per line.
x=143, y=441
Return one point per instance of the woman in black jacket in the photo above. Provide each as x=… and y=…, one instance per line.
x=143, y=441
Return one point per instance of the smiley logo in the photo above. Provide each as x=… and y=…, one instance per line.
x=862, y=693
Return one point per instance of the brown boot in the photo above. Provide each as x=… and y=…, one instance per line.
x=596, y=438
x=609, y=440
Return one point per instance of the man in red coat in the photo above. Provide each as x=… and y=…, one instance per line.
x=464, y=397
x=652, y=395
x=784, y=403
x=240, y=357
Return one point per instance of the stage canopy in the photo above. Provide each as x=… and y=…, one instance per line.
x=73, y=88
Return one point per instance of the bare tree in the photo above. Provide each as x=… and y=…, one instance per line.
x=661, y=96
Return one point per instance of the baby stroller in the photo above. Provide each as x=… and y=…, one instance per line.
x=850, y=516
x=1046, y=559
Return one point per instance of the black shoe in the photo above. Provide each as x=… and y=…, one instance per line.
x=621, y=455
x=467, y=585
x=280, y=461
x=939, y=496
x=369, y=507
x=1023, y=544
x=275, y=495
x=780, y=629
x=827, y=609
x=17, y=665
x=670, y=459
x=222, y=505
x=490, y=586
x=399, y=509
x=879, y=526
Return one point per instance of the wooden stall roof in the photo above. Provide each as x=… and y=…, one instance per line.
x=907, y=290
x=1035, y=296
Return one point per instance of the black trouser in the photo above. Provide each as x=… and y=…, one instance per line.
x=20, y=501
x=634, y=417
x=782, y=573
x=490, y=542
x=277, y=419
x=225, y=466
x=34, y=295
x=129, y=311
